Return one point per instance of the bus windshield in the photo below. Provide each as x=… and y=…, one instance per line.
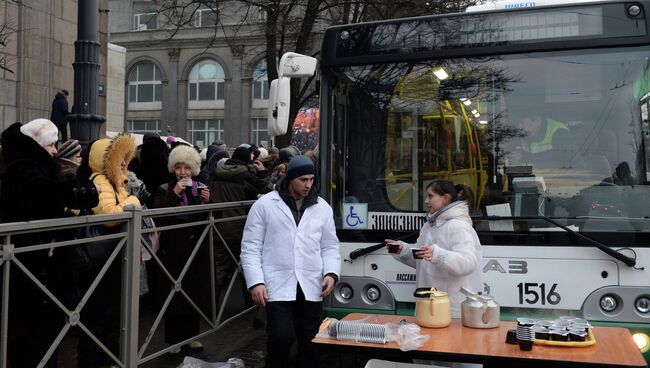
x=559, y=134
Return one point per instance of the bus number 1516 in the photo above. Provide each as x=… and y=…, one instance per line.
x=533, y=293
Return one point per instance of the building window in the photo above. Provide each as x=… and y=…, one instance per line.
x=259, y=132
x=257, y=15
x=143, y=126
x=145, y=87
x=145, y=21
x=206, y=85
x=261, y=89
x=205, y=18
x=260, y=82
x=202, y=132
x=260, y=86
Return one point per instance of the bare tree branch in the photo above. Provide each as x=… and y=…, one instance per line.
x=288, y=25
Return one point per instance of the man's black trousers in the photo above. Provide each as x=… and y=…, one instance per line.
x=287, y=321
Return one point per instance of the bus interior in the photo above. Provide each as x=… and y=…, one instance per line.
x=558, y=134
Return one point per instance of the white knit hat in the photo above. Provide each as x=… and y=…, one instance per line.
x=263, y=153
x=43, y=131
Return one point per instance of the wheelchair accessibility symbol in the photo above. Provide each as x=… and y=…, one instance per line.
x=355, y=215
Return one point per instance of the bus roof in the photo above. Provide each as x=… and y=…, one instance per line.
x=516, y=4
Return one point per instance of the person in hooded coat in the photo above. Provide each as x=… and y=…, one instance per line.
x=60, y=113
x=205, y=170
x=33, y=190
x=235, y=180
x=108, y=159
x=152, y=169
x=182, y=321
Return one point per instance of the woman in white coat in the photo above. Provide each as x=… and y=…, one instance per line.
x=449, y=249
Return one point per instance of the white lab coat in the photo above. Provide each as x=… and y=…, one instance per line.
x=456, y=258
x=276, y=252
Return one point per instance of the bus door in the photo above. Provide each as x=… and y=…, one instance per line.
x=438, y=145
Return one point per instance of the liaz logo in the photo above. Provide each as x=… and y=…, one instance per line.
x=513, y=266
x=405, y=277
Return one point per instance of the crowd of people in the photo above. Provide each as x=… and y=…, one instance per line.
x=43, y=177
x=287, y=241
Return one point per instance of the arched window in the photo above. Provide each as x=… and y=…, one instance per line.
x=145, y=87
x=260, y=82
x=206, y=85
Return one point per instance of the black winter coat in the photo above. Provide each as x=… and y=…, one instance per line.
x=152, y=168
x=234, y=181
x=176, y=247
x=59, y=109
x=31, y=187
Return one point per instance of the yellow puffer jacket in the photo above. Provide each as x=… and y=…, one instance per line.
x=105, y=160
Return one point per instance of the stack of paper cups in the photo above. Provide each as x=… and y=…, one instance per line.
x=525, y=334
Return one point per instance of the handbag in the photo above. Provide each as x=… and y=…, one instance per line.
x=152, y=239
x=95, y=251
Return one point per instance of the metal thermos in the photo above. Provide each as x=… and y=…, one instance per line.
x=479, y=311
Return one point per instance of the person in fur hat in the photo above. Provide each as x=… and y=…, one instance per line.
x=108, y=159
x=32, y=190
x=32, y=173
x=176, y=246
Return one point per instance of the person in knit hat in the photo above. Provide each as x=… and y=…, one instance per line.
x=263, y=153
x=299, y=166
x=243, y=155
x=69, y=158
x=181, y=320
x=70, y=150
x=291, y=222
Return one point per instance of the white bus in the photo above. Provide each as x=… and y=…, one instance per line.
x=562, y=210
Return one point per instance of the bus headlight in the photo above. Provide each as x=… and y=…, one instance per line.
x=373, y=294
x=642, y=304
x=346, y=292
x=608, y=303
x=634, y=10
x=642, y=341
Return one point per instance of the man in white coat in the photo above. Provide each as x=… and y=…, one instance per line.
x=290, y=256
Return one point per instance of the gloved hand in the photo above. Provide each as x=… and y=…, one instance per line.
x=142, y=194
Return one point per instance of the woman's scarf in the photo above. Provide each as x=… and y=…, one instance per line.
x=184, y=200
x=433, y=216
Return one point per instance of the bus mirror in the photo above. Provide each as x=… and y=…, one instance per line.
x=279, y=103
x=294, y=65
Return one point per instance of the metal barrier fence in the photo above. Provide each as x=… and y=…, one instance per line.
x=132, y=237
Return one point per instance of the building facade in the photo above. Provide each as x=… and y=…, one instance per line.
x=199, y=82
x=39, y=53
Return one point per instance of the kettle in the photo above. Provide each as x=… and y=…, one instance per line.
x=432, y=308
x=479, y=311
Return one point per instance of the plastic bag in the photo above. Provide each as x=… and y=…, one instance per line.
x=328, y=326
x=190, y=362
x=406, y=335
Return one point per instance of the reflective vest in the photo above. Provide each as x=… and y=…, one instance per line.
x=547, y=142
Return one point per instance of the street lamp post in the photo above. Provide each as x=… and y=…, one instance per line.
x=85, y=123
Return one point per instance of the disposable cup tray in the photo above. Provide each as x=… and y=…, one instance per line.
x=571, y=344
